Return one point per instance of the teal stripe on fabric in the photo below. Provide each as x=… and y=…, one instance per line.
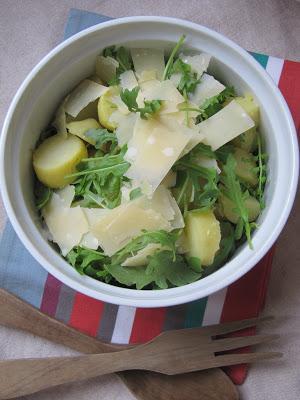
x=195, y=313
x=19, y=272
x=261, y=58
x=79, y=20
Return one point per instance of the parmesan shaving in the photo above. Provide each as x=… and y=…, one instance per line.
x=106, y=68
x=67, y=225
x=208, y=87
x=153, y=149
x=225, y=125
x=164, y=90
x=123, y=223
x=86, y=92
x=148, y=60
x=199, y=63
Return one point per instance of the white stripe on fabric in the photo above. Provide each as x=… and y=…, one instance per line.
x=214, y=307
x=123, y=325
x=274, y=68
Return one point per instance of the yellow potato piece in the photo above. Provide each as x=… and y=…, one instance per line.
x=105, y=109
x=250, y=106
x=228, y=209
x=203, y=235
x=57, y=157
x=79, y=128
x=245, y=167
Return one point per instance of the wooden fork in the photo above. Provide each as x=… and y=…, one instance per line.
x=172, y=352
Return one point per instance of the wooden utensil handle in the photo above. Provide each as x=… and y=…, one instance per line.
x=15, y=313
x=26, y=376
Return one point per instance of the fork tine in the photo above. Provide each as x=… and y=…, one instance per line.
x=199, y=364
x=233, y=359
x=228, y=327
x=219, y=345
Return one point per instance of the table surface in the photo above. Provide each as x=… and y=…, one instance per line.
x=30, y=28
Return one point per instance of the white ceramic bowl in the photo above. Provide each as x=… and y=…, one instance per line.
x=73, y=60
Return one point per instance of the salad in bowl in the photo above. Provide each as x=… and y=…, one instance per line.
x=152, y=171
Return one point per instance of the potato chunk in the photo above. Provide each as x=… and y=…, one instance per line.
x=105, y=110
x=245, y=167
x=57, y=157
x=228, y=209
x=79, y=128
x=250, y=106
x=203, y=235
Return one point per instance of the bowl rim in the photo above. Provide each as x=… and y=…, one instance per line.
x=132, y=297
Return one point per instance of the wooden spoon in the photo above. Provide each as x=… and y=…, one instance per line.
x=212, y=384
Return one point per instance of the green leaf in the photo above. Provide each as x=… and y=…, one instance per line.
x=162, y=269
x=135, y=193
x=214, y=104
x=172, y=56
x=262, y=173
x=223, y=152
x=111, y=191
x=203, y=181
x=81, y=258
x=189, y=79
x=124, y=58
x=165, y=239
x=202, y=150
x=122, y=55
x=232, y=190
x=129, y=98
x=101, y=136
x=42, y=194
x=194, y=263
x=150, y=107
x=99, y=180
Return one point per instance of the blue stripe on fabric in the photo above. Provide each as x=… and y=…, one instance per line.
x=19, y=272
x=261, y=58
x=79, y=20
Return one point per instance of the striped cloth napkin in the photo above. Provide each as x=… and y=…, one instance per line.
x=22, y=275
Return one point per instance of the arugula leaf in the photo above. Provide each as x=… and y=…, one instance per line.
x=214, y=104
x=162, y=269
x=166, y=239
x=223, y=152
x=262, y=173
x=135, y=193
x=122, y=55
x=203, y=181
x=42, y=194
x=232, y=190
x=172, y=56
x=101, y=136
x=150, y=107
x=195, y=263
x=129, y=98
x=189, y=79
x=203, y=150
x=81, y=258
x=99, y=180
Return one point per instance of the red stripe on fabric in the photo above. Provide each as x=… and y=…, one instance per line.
x=86, y=314
x=51, y=295
x=245, y=299
x=148, y=323
x=289, y=84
